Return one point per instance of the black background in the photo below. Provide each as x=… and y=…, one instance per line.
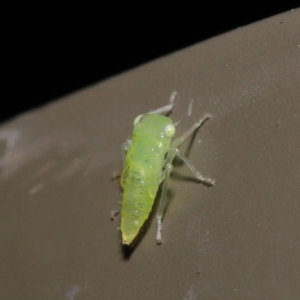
x=51, y=52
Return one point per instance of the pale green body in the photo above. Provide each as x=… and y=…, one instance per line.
x=143, y=172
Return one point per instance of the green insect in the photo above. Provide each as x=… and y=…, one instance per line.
x=148, y=162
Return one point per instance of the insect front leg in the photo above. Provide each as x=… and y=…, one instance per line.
x=125, y=148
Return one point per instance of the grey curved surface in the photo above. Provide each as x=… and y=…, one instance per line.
x=237, y=240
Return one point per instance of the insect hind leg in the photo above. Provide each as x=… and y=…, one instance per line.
x=166, y=108
x=162, y=202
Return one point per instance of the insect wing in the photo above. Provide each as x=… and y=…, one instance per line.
x=151, y=181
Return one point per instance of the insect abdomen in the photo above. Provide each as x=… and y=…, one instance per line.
x=136, y=206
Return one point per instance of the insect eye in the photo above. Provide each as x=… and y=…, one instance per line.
x=137, y=120
x=169, y=130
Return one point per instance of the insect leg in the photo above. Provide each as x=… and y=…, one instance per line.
x=114, y=213
x=162, y=202
x=125, y=148
x=206, y=180
x=176, y=143
x=165, y=108
x=180, y=140
x=168, y=168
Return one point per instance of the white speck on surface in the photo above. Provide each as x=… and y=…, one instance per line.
x=36, y=188
x=74, y=290
x=191, y=295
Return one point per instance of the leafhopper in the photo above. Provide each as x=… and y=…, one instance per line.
x=148, y=163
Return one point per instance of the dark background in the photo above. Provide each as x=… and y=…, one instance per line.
x=50, y=55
